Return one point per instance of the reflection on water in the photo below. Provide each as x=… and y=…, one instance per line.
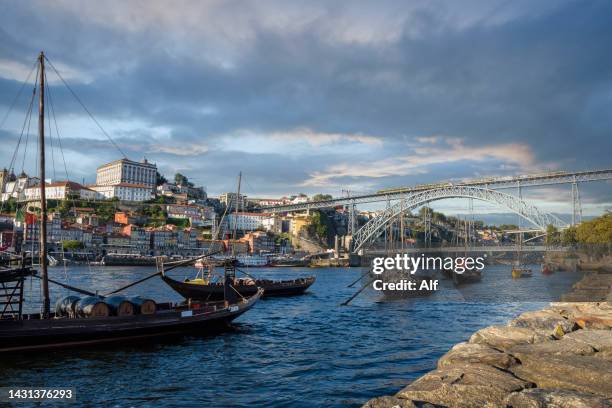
x=302, y=351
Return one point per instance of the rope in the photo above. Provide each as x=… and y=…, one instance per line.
x=85, y=108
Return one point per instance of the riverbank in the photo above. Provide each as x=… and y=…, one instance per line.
x=558, y=356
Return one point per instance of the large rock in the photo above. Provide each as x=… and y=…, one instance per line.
x=572, y=372
x=554, y=398
x=590, y=315
x=388, y=402
x=547, y=320
x=476, y=353
x=556, y=347
x=506, y=337
x=600, y=340
x=464, y=385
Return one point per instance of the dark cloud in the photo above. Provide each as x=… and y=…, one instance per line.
x=490, y=74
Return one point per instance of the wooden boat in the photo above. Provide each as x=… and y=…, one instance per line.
x=34, y=332
x=93, y=323
x=204, y=289
x=518, y=272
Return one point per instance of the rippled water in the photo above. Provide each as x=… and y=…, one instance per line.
x=304, y=351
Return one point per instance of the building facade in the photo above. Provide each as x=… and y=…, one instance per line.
x=127, y=171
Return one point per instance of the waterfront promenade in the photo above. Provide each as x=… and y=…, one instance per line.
x=560, y=356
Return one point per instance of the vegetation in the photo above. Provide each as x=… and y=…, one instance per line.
x=318, y=225
x=552, y=235
x=160, y=179
x=71, y=244
x=321, y=197
x=179, y=222
x=595, y=231
x=9, y=206
x=181, y=180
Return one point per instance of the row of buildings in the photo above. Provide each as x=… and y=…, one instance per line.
x=123, y=179
x=126, y=235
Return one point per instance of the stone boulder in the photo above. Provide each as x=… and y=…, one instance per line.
x=600, y=340
x=478, y=354
x=555, y=398
x=547, y=320
x=589, y=315
x=389, y=402
x=561, y=347
x=464, y=385
x=506, y=337
x=571, y=372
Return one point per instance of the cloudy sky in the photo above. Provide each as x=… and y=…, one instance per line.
x=321, y=96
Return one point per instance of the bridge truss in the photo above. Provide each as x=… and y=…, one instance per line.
x=372, y=229
x=492, y=183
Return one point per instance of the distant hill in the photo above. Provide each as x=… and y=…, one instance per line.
x=510, y=218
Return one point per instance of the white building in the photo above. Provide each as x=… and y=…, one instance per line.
x=14, y=187
x=245, y=221
x=125, y=191
x=127, y=171
x=61, y=190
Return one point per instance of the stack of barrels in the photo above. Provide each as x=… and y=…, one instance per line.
x=97, y=306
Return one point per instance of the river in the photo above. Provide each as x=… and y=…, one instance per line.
x=305, y=351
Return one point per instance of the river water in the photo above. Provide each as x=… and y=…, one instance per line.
x=305, y=351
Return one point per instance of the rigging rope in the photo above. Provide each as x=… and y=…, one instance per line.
x=85, y=108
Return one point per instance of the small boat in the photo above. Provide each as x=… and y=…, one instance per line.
x=547, y=269
x=519, y=272
x=205, y=287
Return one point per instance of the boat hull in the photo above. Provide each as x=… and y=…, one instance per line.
x=215, y=291
x=44, y=334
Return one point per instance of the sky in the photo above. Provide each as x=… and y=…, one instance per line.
x=319, y=97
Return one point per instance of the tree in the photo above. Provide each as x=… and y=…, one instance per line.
x=552, y=235
x=321, y=197
x=72, y=244
x=181, y=180
x=595, y=231
x=568, y=237
x=160, y=179
x=318, y=225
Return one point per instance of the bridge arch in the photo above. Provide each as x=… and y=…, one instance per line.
x=371, y=230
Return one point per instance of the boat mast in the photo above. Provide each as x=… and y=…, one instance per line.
x=43, y=199
x=237, y=208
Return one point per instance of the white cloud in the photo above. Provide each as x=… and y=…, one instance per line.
x=431, y=152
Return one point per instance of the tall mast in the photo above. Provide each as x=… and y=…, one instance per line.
x=237, y=206
x=43, y=197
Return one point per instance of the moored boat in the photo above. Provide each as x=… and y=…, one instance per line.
x=204, y=289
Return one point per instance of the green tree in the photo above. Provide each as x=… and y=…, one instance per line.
x=72, y=244
x=180, y=179
x=160, y=179
x=321, y=197
x=552, y=235
x=318, y=225
x=595, y=231
x=568, y=236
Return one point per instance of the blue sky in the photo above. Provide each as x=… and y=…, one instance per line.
x=324, y=96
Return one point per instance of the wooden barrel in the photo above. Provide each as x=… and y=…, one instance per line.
x=143, y=306
x=65, y=306
x=92, y=306
x=120, y=306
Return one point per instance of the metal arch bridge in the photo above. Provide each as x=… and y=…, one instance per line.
x=492, y=183
x=372, y=229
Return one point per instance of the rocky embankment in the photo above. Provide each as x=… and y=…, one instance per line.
x=559, y=357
